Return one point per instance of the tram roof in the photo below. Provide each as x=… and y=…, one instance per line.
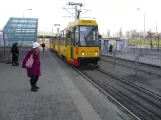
x=82, y=22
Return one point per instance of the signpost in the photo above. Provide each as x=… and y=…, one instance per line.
x=121, y=43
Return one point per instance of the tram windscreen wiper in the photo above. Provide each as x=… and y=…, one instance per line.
x=86, y=41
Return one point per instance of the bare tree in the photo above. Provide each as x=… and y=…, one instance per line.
x=120, y=32
x=133, y=33
x=116, y=34
x=141, y=34
x=108, y=33
x=137, y=35
x=150, y=35
x=127, y=34
x=158, y=36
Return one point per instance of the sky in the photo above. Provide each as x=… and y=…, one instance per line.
x=109, y=14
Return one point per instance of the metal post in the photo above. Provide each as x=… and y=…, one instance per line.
x=114, y=59
x=133, y=50
x=146, y=51
x=144, y=26
x=141, y=52
x=75, y=12
x=4, y=42
x=136, y=65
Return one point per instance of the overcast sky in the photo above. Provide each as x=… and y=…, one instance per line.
x=110, y=14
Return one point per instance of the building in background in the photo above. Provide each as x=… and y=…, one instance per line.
x=21, y=30
x=119, y=44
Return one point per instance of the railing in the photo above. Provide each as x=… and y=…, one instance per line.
x=145, y=60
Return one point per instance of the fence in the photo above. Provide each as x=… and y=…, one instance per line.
x=136, y=59
x=142, y=59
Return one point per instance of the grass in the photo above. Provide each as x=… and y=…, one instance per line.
x=140, y=42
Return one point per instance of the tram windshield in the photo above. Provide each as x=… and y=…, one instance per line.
x=88, y=35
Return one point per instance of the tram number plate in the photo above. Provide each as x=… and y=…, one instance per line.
x=83, y=29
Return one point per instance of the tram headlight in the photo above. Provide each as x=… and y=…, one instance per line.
x=96, y=54
x=82, y=54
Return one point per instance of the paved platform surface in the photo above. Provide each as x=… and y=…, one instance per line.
x=63, y=95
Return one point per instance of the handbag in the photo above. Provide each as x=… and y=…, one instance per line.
x=29, y=62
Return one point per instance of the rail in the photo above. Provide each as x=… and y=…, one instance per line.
x=96, y=85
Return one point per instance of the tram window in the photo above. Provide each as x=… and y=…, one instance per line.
x=68, y=34
x=62, y=40
x=99, y=36
x=69, y=38
x=65, y=37
x=72, y=41
x=73, y=36
x=76, y=36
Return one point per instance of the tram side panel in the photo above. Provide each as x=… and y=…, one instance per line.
x=57, y=44
x=51, y=44
x=54, y=45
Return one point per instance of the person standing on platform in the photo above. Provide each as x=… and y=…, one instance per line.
x=32, y=63
x=110, y=48
x=43, y=46
x=16, y=58
x=15, y=53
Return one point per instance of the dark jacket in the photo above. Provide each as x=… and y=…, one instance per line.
x=35, y=69
x=43, y=45
x=14, y=49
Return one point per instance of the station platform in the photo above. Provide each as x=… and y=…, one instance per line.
x=63, y=94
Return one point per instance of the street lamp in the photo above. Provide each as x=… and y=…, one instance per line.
x=57, y=27
x=141, y=52
x=144, y=24
x=24, y=10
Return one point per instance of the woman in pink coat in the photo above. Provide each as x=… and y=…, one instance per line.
x=34, y=72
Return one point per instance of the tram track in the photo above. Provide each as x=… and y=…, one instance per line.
x=141, y=103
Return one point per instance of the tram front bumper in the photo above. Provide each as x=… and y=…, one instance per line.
x=88, y=59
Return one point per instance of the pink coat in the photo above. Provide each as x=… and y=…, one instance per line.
x=35, y=69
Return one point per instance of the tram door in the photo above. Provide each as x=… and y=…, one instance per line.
x=71, y=48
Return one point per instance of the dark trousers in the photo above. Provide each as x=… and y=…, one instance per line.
x=43, y=49
x=33, y=81
x=14, y=59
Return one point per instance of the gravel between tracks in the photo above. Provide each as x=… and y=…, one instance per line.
x=141, y=103
x=147, y=81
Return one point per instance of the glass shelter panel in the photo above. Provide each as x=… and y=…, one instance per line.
x=21, y=30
